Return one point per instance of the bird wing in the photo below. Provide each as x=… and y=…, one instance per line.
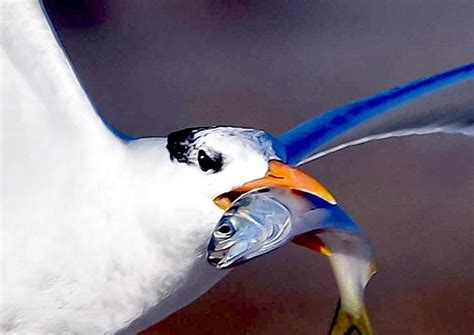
x=440, y=103
x=44, y=107
x=50, y=131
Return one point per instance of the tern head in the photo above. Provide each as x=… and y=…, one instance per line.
x=232, y=161
x=222, y=158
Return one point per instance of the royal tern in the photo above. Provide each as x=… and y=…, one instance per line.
x=104, y=233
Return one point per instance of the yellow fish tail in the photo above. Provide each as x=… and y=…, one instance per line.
x=344, y=323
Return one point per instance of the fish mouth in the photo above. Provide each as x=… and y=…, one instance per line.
x=219, y=260
x=214, y=261
x=216, y=252
x=222, y=264
x=228, y=254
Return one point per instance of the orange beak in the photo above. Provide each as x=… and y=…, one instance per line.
x=279, y=175
x=282, y=175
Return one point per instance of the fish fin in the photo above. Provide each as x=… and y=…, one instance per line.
x=312, y=241
x=344, y=323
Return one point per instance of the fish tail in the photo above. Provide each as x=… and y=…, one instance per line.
x=345, y=323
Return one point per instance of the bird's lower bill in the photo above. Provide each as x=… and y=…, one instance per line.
x=279, y=174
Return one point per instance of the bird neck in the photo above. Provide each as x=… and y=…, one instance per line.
x=173, y=217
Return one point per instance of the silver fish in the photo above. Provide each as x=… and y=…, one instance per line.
x=263, y=220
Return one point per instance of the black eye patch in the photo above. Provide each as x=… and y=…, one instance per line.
x=181, y=142
x=182, y=148
x=207, y=163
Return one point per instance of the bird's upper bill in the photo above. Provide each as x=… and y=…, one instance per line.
x=279, y=174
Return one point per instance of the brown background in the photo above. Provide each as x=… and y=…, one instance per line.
x=155, y=66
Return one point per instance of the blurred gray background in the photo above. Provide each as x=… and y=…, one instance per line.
x=156, y=66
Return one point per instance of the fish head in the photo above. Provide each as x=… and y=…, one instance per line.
x=254, y=225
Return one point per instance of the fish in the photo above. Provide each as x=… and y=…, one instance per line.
x=263, y=220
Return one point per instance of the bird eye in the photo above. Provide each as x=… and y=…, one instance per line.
x=207, y=163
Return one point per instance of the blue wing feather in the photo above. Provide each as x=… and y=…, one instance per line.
x=304, y=140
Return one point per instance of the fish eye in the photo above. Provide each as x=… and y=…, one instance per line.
x=207, y=163
x=225, y=230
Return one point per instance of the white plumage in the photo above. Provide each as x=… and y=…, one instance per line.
x=100, y=231
x=105, y=235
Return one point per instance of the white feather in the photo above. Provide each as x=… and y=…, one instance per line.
x=98, y=235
